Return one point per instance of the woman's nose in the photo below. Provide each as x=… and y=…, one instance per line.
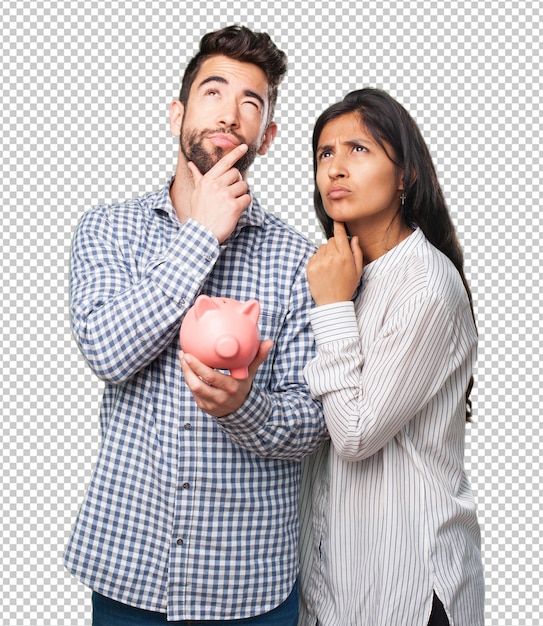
x=337, y=168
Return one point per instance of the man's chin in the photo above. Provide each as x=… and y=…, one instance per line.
x=205, y=160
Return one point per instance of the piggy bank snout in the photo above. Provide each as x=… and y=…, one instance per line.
x=222, y=333
x=227, y=346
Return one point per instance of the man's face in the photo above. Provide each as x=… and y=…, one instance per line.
x=227, y=105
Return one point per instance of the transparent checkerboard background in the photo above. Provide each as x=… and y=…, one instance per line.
x=85, y=94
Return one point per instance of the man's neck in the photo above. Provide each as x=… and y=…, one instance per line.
x=181, y=190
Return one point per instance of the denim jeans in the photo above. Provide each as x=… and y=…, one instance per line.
x=107, y=612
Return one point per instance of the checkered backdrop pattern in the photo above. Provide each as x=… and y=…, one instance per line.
x=85, y=94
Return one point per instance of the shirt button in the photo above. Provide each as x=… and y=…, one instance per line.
x=179, y=542
x=187, y=426
x=186, y=485
x=208, y=258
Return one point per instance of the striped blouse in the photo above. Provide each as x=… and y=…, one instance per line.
x=387, y=513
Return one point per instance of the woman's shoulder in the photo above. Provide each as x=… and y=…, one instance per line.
x=417, y=272
x=435, y=274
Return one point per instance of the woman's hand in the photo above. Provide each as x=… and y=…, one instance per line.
x=333, y=273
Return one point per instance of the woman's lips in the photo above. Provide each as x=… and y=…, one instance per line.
x=336, y=193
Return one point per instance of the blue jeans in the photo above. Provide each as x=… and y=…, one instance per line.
x=107, y=612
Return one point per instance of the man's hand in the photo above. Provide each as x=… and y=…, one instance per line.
x=214, y=392
x=221, y=195
x=334, y=271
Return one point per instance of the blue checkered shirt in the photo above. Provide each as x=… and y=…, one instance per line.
x=185, y=514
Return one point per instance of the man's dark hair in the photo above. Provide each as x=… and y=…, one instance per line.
x=241, y=44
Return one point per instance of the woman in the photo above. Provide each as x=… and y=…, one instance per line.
x=389, y=529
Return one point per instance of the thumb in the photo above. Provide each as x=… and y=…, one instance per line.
x=261, y=356
x=196, y=174
x=358, y=256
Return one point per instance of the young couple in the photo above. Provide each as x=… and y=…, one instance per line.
x=363, y=373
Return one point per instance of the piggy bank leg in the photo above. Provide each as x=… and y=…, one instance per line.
x=240, y=373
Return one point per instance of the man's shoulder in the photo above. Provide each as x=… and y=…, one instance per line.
x=133, y=211
x=277, y=227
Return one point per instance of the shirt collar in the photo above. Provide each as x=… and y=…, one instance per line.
x=254, y=215
x=393, y=257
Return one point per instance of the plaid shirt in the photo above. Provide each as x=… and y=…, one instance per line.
x=187, y=514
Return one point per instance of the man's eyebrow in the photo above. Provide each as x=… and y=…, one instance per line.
x=257, y=96
x=213, y=79
x=221, y=79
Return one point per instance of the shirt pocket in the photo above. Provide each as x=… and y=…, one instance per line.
x=270, y=326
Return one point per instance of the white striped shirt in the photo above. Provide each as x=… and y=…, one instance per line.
x=387, y=515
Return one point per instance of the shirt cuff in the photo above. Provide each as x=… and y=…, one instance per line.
x=334, y=322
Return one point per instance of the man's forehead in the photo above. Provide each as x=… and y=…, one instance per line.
x=222, y=69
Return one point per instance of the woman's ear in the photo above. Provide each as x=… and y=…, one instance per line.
x=401, y=179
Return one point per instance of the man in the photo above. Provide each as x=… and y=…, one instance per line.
x=191, y=514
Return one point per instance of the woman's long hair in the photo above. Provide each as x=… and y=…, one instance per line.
x=424, y=207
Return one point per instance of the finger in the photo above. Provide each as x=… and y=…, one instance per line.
x=239, y=189
x=321, y=251
x=233, y=176
x=358, y=256
x=228, y=161
x=196, y=174
x=340, y=235
x=200, y=374
x=261, y=356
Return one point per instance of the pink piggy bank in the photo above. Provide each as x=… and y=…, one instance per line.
x=222, y=333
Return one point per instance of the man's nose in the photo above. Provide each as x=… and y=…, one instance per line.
x=228, y=115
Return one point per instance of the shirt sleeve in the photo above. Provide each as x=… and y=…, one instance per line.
x=280, y=419
x=369, y=394
x=123, y=318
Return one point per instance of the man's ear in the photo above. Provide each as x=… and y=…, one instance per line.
x=176, y=117
x=269, y=136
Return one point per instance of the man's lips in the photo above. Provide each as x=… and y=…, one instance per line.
x=336, y=193
x=224, y=140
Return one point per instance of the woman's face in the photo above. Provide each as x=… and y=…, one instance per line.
x=358, y=182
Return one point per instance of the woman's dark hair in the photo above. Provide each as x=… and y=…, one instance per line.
x=241, y=44
x=395, y=130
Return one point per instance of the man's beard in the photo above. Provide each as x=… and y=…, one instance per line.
x=192, y=146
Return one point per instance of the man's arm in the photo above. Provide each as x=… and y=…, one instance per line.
x=123, y=316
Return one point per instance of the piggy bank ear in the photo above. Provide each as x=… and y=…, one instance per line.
x=203, y=304
x=251, y=309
